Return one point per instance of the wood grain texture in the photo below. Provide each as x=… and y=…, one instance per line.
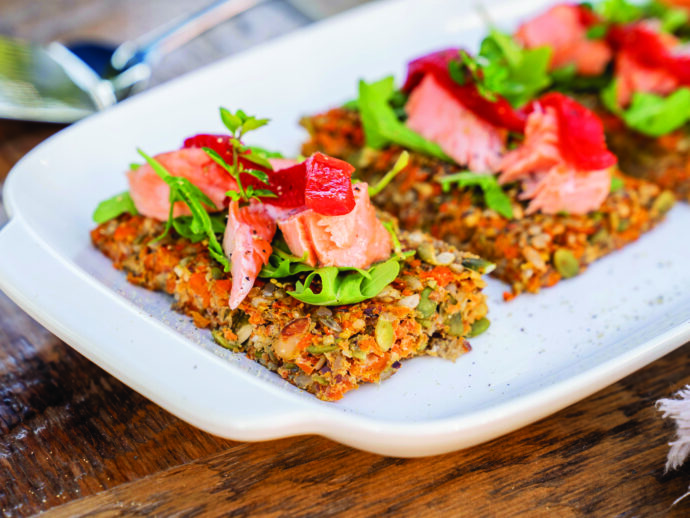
x=75, y=441
x=601, y=457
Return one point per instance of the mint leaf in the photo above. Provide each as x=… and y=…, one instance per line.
x=259, y=175
x=113, y=207
x=231, y=121
x=381, y=124
x=185, y=191
x=265, y=153
x=616, y=184
x=494, y=196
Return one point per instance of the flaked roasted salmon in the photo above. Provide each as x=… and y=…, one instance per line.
x=356, y=239
x=438, y=116
x=562, y=29
x=151, y=194
x=247, y=242
x=548, y=180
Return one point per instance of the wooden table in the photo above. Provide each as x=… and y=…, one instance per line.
x=74, y=440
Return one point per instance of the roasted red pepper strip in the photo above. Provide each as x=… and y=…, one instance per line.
x=581, y=133
x=648, y=49
x=328, y=188
x=499, y=113
x=587, y=16
x=288, y=184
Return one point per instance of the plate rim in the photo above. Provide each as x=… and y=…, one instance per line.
x=388, y=437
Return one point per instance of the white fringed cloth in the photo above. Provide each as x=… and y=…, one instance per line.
x=678, y=409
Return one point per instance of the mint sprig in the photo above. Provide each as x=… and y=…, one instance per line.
x=186, y=192
x=494, y=196
x=239, y=124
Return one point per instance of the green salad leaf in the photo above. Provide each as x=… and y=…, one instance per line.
x=382, y=125
x=494, y=196
x=346, y=285
x=283, y=264
x=503, y=67
x=239, y=123
x=265, y=153
x=624, y=12
x=651, y=114
x=338, y=284
x=616, y=184
x=400, y=164
x=619, y=11
x=185, y=191
x=184, y=225
x=113, y=207
x=566, y=79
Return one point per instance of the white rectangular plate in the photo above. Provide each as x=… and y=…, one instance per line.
x=542, y=352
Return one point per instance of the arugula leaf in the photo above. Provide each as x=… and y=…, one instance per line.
x=616, y=184
x=183, y=226
x=381, y=124
x=185, y=191
x=400, y=164
x=619, y=11
x=341, y=286
x=597, y=31
x=651, y=114
x=282, y=264
x=671, y=19
x=566, y=79
x=113, y=207
x=504, y=68
x=624, y=12
x=494, y=196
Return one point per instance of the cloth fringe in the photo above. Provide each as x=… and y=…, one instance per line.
x=678, y=409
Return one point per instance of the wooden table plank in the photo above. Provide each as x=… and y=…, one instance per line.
x=601, y=457
x=74, y=440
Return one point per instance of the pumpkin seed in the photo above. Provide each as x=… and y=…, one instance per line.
x=565, y=262
x=664, y=202
x=321, y=349
x=478, y=264
x=479, y=326
x=426, y=307
x=427, y=253
x=456, y=325
x=224, y=342
x=385, y=336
